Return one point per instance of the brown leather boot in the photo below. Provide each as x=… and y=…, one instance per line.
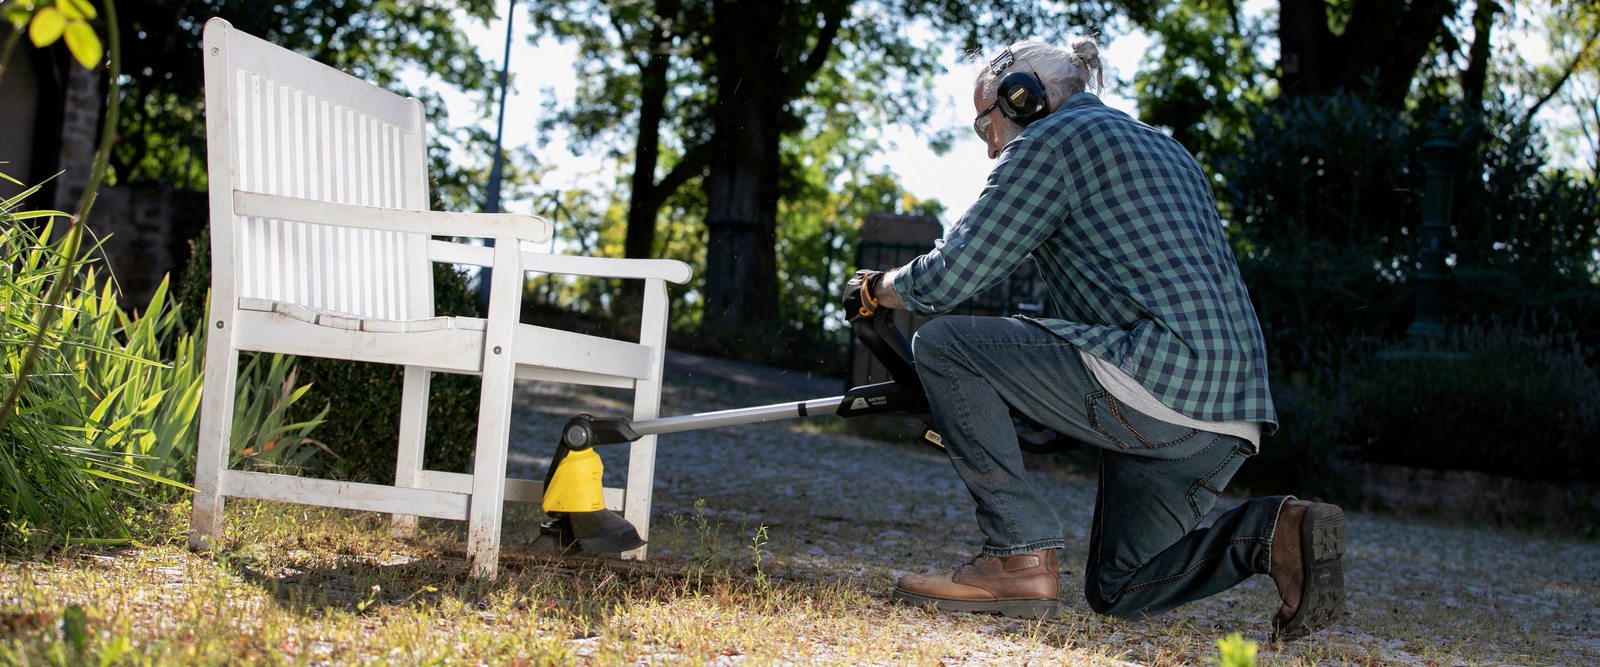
x=1022, y=586
x=1307, y=545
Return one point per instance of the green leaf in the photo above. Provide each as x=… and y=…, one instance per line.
x=84, y=44
x=106, y=475
x=135, y=472
x=114, y=352
x=99, y=411
x=77, y=9
x=24, y=215
x=18, y=14
x=46, y=27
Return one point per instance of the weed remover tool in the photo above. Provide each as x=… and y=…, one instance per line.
x=573, y=493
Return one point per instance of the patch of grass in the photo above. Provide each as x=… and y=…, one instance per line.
x=295, y=585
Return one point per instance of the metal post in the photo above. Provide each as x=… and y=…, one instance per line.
x=491, y=202
x=1439, y=155
x=555, y=219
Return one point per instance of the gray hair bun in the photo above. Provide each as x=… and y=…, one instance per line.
x=1064, y=71
x=1086, y=56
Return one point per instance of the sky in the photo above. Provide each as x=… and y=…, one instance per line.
x=955, y=178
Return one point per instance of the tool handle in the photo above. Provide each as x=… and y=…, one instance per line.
x=883, y=339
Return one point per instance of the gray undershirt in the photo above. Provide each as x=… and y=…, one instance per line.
x=1124, y=388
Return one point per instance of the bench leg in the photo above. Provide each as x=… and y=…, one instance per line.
x=413, y=430
x=494, y=412
x=646, y=405
x=489, y=474
x=641, y=482
x=216, y=430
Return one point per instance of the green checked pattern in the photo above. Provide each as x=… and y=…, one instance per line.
x=1120, y=219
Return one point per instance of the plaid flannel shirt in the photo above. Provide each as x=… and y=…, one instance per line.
x=1120, y=219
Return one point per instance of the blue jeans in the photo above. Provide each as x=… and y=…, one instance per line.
x=1157, y=480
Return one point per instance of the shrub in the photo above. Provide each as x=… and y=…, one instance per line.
x=363, y=404
x=1323, y=198
x=1520, y=400
x=1309, y=301
x=1333, y=170
x=1309, y=455
x=1504, y=399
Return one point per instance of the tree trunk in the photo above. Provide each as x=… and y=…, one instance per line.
x=1386, y=40
x=1477, y=72
x=1383, y=43
x=644, y=201
x=1310, y=61
x=741, y=281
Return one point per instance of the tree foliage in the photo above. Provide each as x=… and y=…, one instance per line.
x=1205, y=76
x=713, y=93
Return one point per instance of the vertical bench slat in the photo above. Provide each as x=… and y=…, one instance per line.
x=283, y=147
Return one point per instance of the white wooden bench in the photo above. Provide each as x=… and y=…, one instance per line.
x=322, y=246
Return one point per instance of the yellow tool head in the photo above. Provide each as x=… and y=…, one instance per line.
x=575, y=486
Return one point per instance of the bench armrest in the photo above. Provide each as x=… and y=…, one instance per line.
x=670, y=270
x=530, y=228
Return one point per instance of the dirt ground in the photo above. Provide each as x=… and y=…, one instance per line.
x=861, y=512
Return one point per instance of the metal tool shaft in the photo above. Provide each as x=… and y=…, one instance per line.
x=755, y=415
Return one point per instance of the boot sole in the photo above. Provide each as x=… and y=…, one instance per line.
x=1032, y=608
x=1323, y=542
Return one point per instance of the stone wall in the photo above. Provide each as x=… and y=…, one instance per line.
x=1481, y=498
x=144, y=232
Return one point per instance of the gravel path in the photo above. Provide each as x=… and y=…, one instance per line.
x=841, y=508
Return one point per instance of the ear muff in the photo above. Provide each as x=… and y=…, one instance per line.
x=1021, y=98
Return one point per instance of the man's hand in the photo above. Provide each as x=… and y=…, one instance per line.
x=859, y=300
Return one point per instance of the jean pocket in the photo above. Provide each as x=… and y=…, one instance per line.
x=1134, y=431
x=1204, y=493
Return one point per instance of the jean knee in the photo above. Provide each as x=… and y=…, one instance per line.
x=930, y=344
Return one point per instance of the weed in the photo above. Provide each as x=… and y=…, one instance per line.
x=1236, y=651
x=756, y=542
x=706, y=547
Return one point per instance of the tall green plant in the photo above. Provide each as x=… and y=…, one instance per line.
x=74, y=448
x=108, y=416
x=263, y=435
x=92, y=420
x=1508, y=399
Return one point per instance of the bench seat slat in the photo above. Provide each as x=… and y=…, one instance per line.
x=345, y=495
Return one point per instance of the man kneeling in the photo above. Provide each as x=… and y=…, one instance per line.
x=1157, y=359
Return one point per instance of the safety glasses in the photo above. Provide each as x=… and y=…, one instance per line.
x=981, y=123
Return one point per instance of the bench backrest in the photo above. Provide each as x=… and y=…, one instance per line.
x=280, y=123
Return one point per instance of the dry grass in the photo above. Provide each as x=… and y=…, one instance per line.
x=298, y=586
x=772, y=545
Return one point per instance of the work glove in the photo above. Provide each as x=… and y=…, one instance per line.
x=859, y=300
